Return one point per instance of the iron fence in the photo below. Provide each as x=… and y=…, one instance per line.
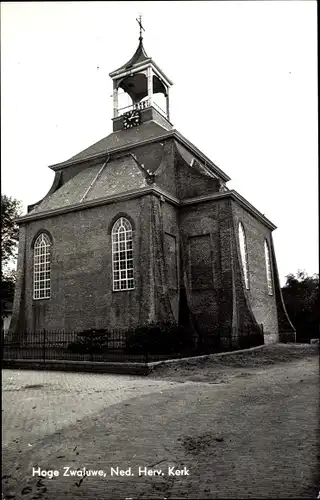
x=113, y=346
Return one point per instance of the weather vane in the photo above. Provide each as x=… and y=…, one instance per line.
x=140, y=25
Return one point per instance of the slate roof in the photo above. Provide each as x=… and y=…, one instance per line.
x=71, y=192
x=117, y=176
x=147, y=130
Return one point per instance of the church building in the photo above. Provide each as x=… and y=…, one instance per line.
x=140, y=228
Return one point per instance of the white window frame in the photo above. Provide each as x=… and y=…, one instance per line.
x=122, y=256
x=42, y=267
x=244, y=255
x=268, y=267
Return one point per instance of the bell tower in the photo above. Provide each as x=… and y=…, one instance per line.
x=140, y=78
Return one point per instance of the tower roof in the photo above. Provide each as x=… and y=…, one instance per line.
x=138, y=61
x=139, y=56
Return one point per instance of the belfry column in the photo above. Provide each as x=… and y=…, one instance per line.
x=167, y=105
x=150, y=84
x=115, y=99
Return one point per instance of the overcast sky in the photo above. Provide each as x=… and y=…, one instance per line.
x=245, y=93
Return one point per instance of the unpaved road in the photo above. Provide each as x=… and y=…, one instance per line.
x=237, y=427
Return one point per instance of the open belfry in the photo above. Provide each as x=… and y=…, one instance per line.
x=141, y=228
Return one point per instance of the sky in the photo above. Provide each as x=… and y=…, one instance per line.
x=244, y=93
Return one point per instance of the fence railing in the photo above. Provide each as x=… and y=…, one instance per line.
x=141, y=105
x=99, y=345
x=138, y=105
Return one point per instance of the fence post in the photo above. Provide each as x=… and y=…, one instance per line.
x=44, y=344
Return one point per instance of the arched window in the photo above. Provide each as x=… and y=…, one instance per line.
x=122, y=255
x=244, y=254
x=268, y=267
x=41, y=267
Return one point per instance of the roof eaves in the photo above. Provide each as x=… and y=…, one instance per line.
x=236, y=197
x=134, y=193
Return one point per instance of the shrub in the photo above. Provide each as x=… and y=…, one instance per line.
x=158, y=338
x=90, y=341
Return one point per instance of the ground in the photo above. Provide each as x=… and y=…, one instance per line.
x=238, y=426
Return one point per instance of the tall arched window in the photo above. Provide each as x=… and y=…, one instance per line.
x=122, y=255
x=244, y=254
x=268, y=267
x=41, y=267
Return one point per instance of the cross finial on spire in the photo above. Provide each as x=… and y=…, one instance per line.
x=140, y=25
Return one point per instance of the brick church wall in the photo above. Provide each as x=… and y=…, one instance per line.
x=205, y=274
x=81, y=272
x=262, y=304
x=172, y=254
x=81, y=276
x=192, y=184
x=209, y=231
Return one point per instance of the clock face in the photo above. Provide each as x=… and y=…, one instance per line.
x=131, y=119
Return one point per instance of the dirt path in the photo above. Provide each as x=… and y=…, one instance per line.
x=244, y=432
